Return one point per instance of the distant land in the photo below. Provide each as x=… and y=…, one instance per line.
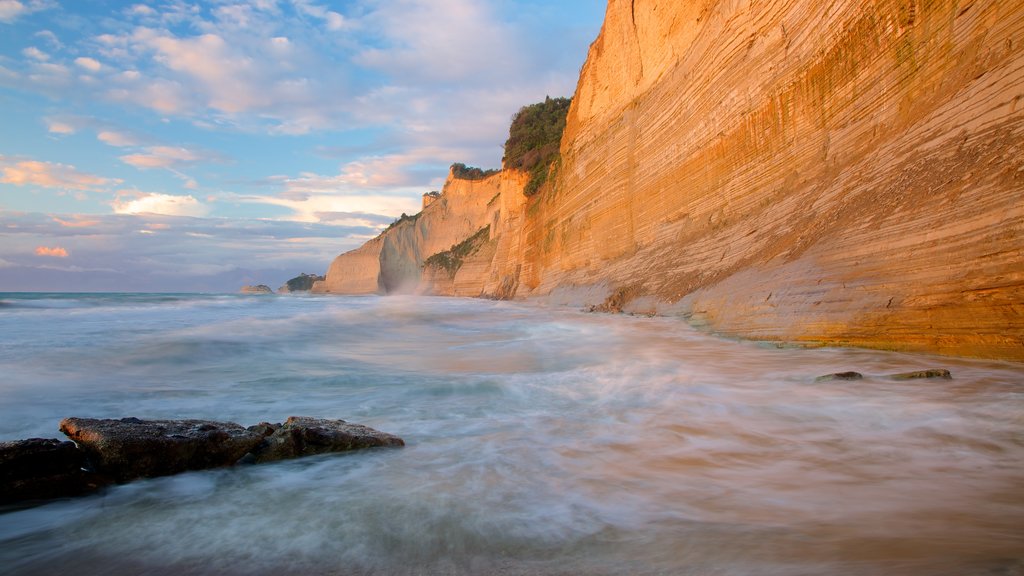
x=849, y=173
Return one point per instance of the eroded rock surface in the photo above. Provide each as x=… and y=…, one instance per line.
x=42, y=469
x=303, y=436
x=131, y=448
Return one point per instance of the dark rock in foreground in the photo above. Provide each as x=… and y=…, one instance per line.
x=839, y=376
x=935, y=373
x=130, y=448
x=42, y=469
x=302, y=436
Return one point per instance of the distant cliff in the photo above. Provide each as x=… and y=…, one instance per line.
x=848, y=173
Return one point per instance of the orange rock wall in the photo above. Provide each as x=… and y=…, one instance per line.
x=847, y=172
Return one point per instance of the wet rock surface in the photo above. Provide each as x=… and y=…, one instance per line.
x=303, y=436
x=840, y=376
x=923, y=374
x=42, y=469
x=131, y=448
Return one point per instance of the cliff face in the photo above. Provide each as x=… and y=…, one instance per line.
x=849, y=172
x=393, y=263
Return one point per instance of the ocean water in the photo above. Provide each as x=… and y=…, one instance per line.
x=539, y=441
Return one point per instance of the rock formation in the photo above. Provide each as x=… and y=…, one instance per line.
x=301, y=283
x=41, y=469
x=130, y=448
x=258, y=289
x=846, y=173
x=109, y=451
x=303, y=436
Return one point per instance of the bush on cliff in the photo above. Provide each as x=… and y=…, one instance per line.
x=451, y=260
x=534, y=139
x=463, y=172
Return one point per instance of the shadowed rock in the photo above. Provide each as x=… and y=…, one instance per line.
x=935, y=373
x=839, y=376
x=302, y=436
x=42, y=469
x=130, y=448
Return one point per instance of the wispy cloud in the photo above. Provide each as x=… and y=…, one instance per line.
x=159, y=156
x=131, y=202
x=54, y=252
x=11, y=10
x=50, y=175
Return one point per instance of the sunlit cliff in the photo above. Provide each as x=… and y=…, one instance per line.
x=848, y=173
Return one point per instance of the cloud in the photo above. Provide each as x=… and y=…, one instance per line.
x=58, y=127
x=55, y=252
x=52, y=175
x=166, y=204
x=90, y=64
x=115, y=138
x=35, y=53
x=11, y=10
x=160, y=157
x=77, y=221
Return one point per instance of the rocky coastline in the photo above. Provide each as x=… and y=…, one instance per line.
x=106, y=452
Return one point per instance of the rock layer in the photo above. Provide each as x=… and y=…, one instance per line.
x=848, y=173
x=131, y=448
x=41, y=469
x=302, y=436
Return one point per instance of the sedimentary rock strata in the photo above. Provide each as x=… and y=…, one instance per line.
x=849, y=172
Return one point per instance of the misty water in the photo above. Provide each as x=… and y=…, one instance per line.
x=539, y=441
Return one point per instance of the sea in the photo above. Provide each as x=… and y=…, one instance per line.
x=539, y=440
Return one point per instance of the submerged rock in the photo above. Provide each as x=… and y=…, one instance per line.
x=839, y=376
x=303, y=436
x=934, y=373
x=43, y=469
x=130, y=448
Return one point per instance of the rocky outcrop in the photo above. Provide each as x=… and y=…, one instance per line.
x=130, y=448
x=43, y=469
x=301, y=283
x=258, y=289
x=845, y=173
x=302, y=436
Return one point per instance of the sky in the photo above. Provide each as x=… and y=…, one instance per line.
x=169, y=145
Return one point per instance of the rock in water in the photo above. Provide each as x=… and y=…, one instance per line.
x=303, y=436
x=130, y=448
x=934, y=373
x=42, y=469
x=839, y=376
x=258, y=289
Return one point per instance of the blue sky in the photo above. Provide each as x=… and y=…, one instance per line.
x=198, y=146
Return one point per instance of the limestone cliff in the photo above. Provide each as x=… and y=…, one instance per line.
x=393, y=261
x=849, y=172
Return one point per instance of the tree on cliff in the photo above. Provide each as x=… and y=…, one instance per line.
x=534, y=138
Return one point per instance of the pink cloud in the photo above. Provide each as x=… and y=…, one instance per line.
x=52, y=175
x=55, y=252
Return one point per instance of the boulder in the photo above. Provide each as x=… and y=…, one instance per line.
x=303, y=436
x=933, y=373
x=839, y=376
x=42, y=469
x=130, y=448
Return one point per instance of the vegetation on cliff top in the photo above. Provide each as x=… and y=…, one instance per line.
x=463, y=172
x=451, y=260
x=534, y=139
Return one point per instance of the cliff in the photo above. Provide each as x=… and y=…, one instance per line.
x=393, y=262
x=846, y=173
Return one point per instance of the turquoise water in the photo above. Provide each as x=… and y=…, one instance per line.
x=540, y=441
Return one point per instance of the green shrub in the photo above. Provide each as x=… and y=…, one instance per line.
x=534, y=139
x=460, y=170
x=451, y=260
